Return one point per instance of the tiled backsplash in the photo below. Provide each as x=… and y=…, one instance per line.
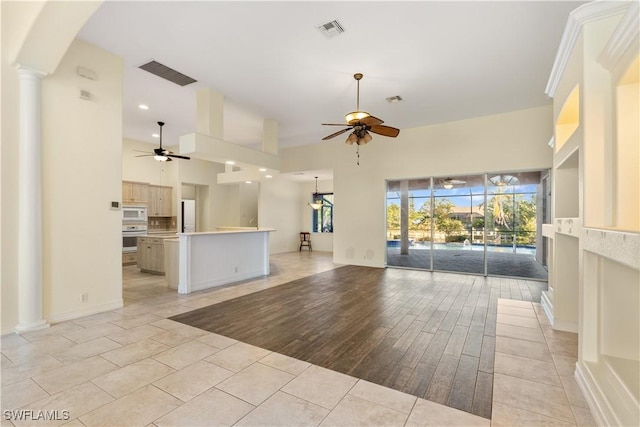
x=156, y=223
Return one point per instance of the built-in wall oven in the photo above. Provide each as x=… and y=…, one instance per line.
x=130, y=233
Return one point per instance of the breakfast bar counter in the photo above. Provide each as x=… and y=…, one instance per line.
x=215, y=258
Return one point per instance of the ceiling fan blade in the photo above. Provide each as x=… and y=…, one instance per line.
x=334, y=124
x=145, y=155
x=340, y=132
x=385, y=130
x=142, y=151
x=177, y=156
x=371, y=121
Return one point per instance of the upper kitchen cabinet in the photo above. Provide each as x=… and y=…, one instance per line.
x=160, y=200
x=134, y=193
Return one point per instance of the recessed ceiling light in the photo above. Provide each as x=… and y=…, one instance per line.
x=230, y=162
x=268, y=176
x=143, y=107
x=247, y=182
x=155, y=135
x=262, y=170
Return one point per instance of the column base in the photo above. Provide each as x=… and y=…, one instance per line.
x=22, y=328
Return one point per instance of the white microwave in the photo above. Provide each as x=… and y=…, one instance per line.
x=134, y=214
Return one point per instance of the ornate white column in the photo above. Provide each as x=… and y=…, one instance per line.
x=30, y=204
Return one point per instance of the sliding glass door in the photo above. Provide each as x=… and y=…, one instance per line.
x=477, y=224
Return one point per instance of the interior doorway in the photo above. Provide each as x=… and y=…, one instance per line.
x=188, y=208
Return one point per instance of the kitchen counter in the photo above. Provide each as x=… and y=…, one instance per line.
x=215, y=258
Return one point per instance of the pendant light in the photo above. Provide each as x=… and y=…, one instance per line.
x=317, y=200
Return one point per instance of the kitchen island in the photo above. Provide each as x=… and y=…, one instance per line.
x=209, y=259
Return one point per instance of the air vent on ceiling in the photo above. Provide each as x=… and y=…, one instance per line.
x=394, y=99
x=167, y=73
x=331, y=29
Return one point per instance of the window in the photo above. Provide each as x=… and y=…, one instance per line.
x=323, y=217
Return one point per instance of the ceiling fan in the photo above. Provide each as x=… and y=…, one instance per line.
x=361, y=123
x=162, y=154
x=448, y=183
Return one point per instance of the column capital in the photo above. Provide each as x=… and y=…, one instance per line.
x=28, y=71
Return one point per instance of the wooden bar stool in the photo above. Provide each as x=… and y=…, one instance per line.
x=305, y=240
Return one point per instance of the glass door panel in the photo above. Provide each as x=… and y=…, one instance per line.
x=458, y=216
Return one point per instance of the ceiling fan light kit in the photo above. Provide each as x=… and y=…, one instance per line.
x=361, y=123
x=161, y=154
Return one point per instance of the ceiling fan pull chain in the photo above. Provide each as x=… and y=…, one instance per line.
x=358, y=154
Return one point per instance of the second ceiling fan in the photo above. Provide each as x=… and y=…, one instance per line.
x=361, y=123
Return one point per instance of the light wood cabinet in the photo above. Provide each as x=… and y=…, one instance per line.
x=129, y=258
x=160, y=200
x=134, y=193
x=151, y=255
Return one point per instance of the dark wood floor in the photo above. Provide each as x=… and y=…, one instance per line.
x=428, y=334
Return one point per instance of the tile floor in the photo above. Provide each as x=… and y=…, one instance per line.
x=133, y=366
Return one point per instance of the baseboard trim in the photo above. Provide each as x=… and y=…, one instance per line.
x=95, y=309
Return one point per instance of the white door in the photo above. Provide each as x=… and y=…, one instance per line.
x=188, y=216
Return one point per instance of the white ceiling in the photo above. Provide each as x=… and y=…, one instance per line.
x=447, y=60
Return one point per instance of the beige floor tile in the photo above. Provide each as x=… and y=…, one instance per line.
x=285, y=363
x=185, y=354
x=527, y=322
x=566, y=366
x=132, y=353
x=516, y=311
x=519, y=332
x=535, y=397
x=508, y=416
x=563, y=347
x=180, y=335
x=353, y=411
x=132, y=377
x=92, y=333
x=211, y=408
x=71, y=375
x=528, y=349
x=138, y=408
x=74, y=423
x=521, y=367
x=37, y=349
x=4, y=361
x=217, y=341
x=583, y=417
x=97, y=319
x=282, y=409
x=171, y=309
x=238, y=356
x=12, y=340
x=573, y=392
x=189, y=382
x=166, y=324
x=20, y=371
x=384, y=396
x=549, y=332
x=21, y=393
x=55, y=329
x=85, y=350
x=77, y=400
x=426, y=413
x=129, y=336
x=255, y=383
x=514, y=303
x=320, y=386
x=129, y=322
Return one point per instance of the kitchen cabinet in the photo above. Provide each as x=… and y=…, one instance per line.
x=151, y=255
x=134, y=193
x=129, y=258
x=160, y=200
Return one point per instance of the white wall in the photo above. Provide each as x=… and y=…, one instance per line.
x=281, y=207
x=81, y=168
x=505, y=142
